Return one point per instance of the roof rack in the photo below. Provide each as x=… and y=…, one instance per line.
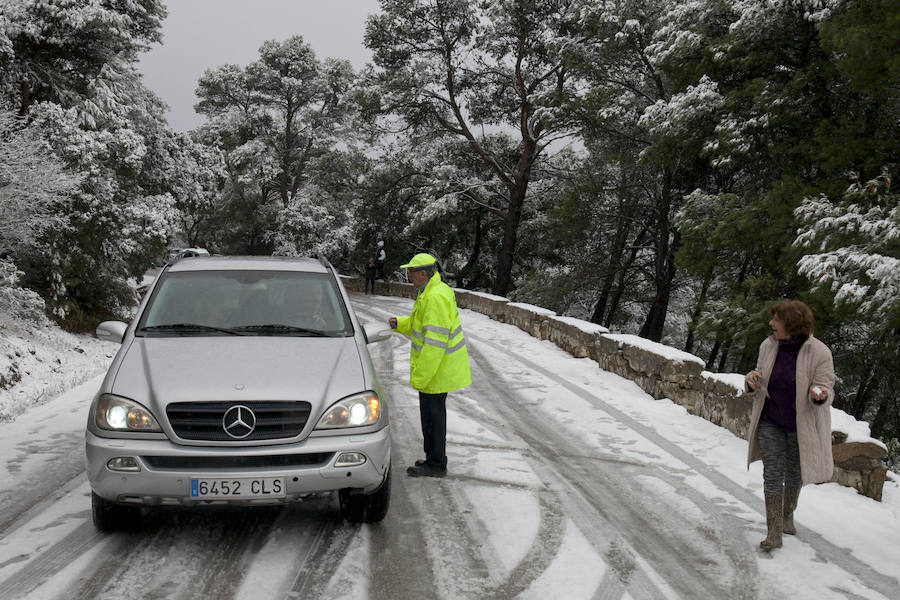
x=323, y=260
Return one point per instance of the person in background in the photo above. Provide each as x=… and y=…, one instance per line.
x=790, y=424
x=438, y=359
x=380, y=257
x=371, y=271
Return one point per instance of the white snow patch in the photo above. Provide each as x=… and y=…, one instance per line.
x=735, y=380
x=585, y=326
x=857, y=431
x=577, y=569
x=511, y=518
x=656, y=348
x=538, y=310
x=484, y=295
x=498, y=466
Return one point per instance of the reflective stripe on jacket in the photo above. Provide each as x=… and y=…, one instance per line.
x=438, y=359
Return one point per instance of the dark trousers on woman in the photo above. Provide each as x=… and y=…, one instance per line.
x=780, y=457
x=433, y=411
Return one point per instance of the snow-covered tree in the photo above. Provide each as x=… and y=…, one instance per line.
x=120, y=219
x=51, y=50
x=647, y=115
x=34, y=185
x=276, y=120
x=68, y=68
x=452, y=68
x=852, y=248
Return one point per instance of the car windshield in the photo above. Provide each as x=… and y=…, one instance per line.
x=284, y=303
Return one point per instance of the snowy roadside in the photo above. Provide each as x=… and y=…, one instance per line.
x=40, y=362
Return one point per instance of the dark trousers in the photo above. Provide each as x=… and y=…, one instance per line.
x=780, y=455
x=433, y=410
x=370, y=282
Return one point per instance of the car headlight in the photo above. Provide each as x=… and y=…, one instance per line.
x=353, y=411
x=114, y=413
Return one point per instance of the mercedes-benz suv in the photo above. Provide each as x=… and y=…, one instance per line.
x=242, y=381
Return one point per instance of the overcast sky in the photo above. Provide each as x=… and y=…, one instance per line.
x=204, y=34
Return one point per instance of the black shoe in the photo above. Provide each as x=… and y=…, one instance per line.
x=426, y=471
x=421, y=462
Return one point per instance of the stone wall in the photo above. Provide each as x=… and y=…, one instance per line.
x=660, y=371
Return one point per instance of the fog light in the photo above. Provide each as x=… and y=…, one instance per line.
x=350, y=459
x=123, y=463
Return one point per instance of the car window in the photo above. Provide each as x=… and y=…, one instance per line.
x=246, y=300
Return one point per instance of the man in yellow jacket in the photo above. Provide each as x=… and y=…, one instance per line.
x=438, y=359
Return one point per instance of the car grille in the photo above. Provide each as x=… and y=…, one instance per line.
x=203, y=421
x=237, y=462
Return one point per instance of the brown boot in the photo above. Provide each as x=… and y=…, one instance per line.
x=774, y=513
x=791, y=495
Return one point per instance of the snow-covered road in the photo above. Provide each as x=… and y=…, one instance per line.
x=565, y=481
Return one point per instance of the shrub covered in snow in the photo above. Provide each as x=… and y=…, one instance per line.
x=18, y=306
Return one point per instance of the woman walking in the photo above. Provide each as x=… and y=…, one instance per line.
x=790, y=426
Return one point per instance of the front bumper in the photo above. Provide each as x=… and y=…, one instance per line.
x=166, y=468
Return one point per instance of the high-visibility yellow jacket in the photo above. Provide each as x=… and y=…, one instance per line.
x=438, y=359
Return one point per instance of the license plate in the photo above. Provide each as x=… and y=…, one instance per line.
x=259, y=487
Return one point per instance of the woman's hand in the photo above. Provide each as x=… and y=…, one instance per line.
x=818, y=394
x=393, y=322
x=753, y=379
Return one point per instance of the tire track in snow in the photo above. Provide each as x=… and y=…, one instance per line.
x=207, y=548
x=321, y=553
x=598, y=512
x=67, y=464
x=54, y=559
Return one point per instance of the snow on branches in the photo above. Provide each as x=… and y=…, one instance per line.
x=32, y=183
x=854, y=243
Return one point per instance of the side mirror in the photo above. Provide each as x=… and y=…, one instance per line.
x=111, y=331
x=377, y=332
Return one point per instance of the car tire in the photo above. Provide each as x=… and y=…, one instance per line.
x=367, y=508
x=109, y=516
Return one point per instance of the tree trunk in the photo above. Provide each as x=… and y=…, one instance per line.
x=615, y=265
x=714, y=352
x=664, y=264
x=463, y=273
x=860, y=399
x=27, y=97
x=620, y=277
x=698, y=308
x=723, y=359
x=517, y=192
x=285, y=175
x=503, y=282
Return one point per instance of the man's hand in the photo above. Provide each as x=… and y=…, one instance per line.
x=393, y=322
x=753, y=379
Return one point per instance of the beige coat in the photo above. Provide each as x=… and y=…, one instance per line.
x=814, y=367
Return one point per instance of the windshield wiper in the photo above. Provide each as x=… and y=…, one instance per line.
x=185, y=327
x=277, y=328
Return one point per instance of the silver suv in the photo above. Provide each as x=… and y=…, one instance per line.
x=241, y=381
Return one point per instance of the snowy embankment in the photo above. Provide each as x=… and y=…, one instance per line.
x=42, y=361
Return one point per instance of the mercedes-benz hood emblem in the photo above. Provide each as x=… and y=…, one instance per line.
x=239, y=421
